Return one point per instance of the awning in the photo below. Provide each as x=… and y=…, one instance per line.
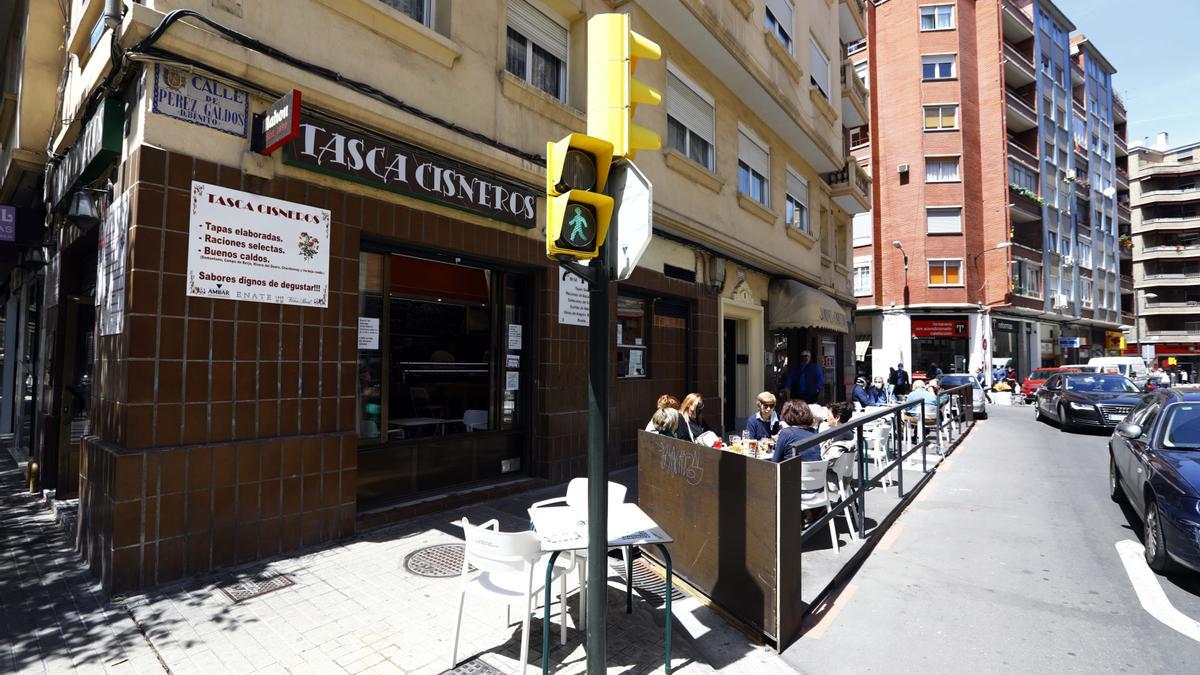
x=861, y=348
x=794, y=305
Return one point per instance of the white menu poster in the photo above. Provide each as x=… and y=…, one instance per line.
x=245, y=246
x=110, y=266
x=573, y=300
x=368, y=332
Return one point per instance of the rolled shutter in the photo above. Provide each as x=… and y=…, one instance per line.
x=782, y=9
x=820, y=67
x=754, y=154
x=942, y=221
x=689, y=108
x=797, y=187
x=539, y=28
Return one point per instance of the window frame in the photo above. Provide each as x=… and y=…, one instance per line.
x=647, y=329
x=753, y=171
x=429, y=7
x=957, y=159
x=794, y=202
x=936, y=60
x=564, y=80
x=941, y=116
x=815, y=48
x=934, y=13
x=861, y=142
x=949, y=207
x=705, y=97
x=943, y=262
x=776, y=27
x=860, y=263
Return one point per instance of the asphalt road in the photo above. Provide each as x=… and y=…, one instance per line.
x=1008, y=562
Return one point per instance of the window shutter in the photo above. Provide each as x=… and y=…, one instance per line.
x=536, y=26
x=689, y=108
x=754, y=154
x=862, y=228
x=797, y=187
x=942, y=221
x=819, y=64
x=782, y=9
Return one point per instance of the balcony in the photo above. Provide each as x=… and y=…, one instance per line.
x=1119, y=114
x=851, y=188
x=1127, y=318
x=1123, y=215
x=1026, y=206
x=855, y=112
x=1120, y=146
x=1126, y=284
x=1018, y=27
x=1018, y=69
x=1168, y=196
x=1169, y=252
x=851, y=23
x=1168, y=279
x=1122, y=180
x=1160, y=308
x=1077, y=76
x=1018, y=113
x=1166, y=168
x=1019, y=153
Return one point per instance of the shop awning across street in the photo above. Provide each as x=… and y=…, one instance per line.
x=794, y=305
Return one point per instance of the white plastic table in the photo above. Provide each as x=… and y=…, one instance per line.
x=562, y=528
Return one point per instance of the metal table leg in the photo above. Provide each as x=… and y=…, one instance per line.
x=667, y=561
x=628, y=580
x=546, y=617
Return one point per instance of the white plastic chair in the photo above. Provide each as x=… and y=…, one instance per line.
x=475, y=420
x=878, y=443
x=577, y=498
x=813, y=477
x=842, y=468
x=510, y=567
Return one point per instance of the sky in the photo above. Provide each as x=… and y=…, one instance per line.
x=1155, y=46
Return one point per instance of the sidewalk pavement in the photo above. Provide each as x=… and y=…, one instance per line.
x=350, y=607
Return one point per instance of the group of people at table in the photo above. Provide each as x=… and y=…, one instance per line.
x=784, y=429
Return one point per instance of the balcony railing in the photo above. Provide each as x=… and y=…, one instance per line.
x=1017, y=14
x=1017, y=152
x=1015, y=56
x=851, y=187
x=1014, y=99
x=1123, y=214
x=855, y=91
x=1118, y=106
x=1122, y=178
x=1172, y=248
x=1173, y=305
x=1120, y=144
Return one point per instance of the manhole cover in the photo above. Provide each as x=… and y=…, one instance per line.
x=244, y=588
x=474, y=667
x=439, y=560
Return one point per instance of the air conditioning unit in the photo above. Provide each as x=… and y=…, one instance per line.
x=1068, y=261
x=1070, y=175
x=901, y=168
x=1061, y=301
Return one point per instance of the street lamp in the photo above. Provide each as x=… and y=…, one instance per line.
x=1137, y=317
x=986, y=323
x=899, y=246
x=975, y=260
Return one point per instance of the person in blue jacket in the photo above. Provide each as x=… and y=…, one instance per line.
x=765, y=422
x=800, y=427
x=860, y=395
x=877, y=392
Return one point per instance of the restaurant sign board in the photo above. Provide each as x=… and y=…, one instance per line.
x=98, y=145
x=939, y=328
x=278, y=125
x=329, y=148
x=8, y=223
x=244, y=246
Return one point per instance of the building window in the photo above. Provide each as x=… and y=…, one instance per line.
x=856, y=46
x=862, y=277
x=633, y=331
x=1021, y=175
x=944, y=220
x=1085, y=292
x=937, y=17
x=941, y=169
x=754, y=168
x=863, y=71
x=945, y=272
x=937, y=67
x=860, y=136
x=819, y=67
x=941, y=117
x=537, y=48
x=1085, y=253
x=863, y=227
x=779, y=22
x=690, y=121
x=420, y=11
x=796, y=202
x=1027, y=278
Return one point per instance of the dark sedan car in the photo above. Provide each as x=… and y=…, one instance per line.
x=1154, y=463
x=1097, y=400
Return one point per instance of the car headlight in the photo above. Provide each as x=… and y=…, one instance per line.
x=1082, y=406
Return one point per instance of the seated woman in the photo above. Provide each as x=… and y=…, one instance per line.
x=664, y=401
x=799, y=429
x=837, y=415
x=692, y=410
x=877, y=392
x=764, y=423
x=666, y=421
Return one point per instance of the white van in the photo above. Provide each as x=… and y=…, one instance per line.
x=1132, y=367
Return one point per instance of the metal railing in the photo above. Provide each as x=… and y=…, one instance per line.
x=952, y=418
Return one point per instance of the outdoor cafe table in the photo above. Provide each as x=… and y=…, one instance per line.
x=562, y=528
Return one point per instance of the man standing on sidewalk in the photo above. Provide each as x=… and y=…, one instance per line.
x=804, y=380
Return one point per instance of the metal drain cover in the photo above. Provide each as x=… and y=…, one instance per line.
x=474, y=667
x=252, y=586
x=439, y=560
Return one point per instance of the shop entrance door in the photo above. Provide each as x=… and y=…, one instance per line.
x=735, y=391
x=75, y=397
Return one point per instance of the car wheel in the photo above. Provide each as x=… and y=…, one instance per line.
x=1155, y=542
x=1064, y=422
x=1037, y=410
x=1115, y=492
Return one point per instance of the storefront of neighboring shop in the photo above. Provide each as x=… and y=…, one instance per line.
x=944, y=341
x=803, y=319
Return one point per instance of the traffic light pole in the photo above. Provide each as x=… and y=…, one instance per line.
x=597, y=462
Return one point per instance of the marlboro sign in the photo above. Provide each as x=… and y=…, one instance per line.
x=278, y=125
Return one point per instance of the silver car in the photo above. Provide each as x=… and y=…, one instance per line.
x=978, y=400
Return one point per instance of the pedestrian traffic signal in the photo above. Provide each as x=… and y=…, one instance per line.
x=612, y=92
x=577, y=210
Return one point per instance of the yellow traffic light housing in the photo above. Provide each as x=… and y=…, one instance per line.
x=577, y=210
x=613, y=94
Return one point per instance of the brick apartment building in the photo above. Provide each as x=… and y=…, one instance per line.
x=994, y=140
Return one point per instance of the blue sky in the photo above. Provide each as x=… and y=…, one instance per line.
x=1155, y=47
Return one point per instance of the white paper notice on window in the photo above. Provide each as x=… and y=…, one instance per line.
x=514, y=336
x=368, y=332
x=635, y=363
x=573, y=300
x=513, y=361
x=512, y=380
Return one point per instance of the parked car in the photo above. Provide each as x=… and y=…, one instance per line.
x=1153, y=465
x=1096, y=400
x=978, y=400
x=1037, y=378
x=1132, y=367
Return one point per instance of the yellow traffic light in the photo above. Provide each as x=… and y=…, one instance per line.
x=613, y=93
x=577, y=210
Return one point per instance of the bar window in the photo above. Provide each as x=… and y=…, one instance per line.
x=632, y=333
x=370, y=355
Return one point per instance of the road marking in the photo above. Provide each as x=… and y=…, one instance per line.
x=1150, y=592
x=823, y=625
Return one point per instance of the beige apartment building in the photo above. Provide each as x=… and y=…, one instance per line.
x=1166, y=250
x=395, y=340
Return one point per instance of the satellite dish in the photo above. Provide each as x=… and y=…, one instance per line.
x=1110, y=191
